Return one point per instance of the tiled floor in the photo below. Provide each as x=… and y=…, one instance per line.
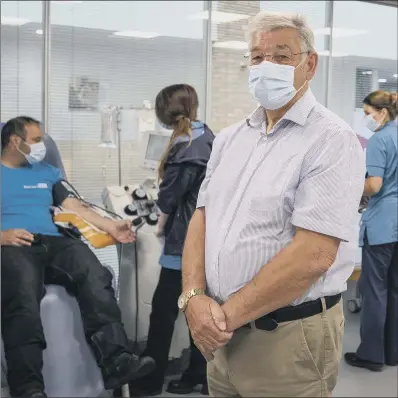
x=355, y=382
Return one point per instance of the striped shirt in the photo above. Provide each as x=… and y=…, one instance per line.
x=307, y=172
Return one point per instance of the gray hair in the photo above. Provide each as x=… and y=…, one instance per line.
x=266, y=21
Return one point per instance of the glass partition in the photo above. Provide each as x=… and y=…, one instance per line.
x=117, y=54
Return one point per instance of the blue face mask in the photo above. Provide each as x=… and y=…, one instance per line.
x=37, y=152
x=371, y=123
x=272, y=85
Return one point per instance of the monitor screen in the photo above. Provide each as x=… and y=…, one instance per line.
x=157, y=144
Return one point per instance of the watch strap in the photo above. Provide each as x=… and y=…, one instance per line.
x=192, y=293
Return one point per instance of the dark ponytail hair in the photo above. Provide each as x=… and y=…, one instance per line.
x=176, y=106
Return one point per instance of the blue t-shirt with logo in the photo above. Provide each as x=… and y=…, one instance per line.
x=26, y=198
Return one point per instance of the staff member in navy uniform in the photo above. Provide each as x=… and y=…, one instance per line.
x=181, y=171
x=379, y=236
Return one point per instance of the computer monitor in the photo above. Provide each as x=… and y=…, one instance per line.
x=156, y=144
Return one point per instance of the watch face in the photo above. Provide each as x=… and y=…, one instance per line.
x=181, y=302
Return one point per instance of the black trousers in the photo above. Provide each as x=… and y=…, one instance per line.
x=378, y=286
x=161, y=328
x=70, y=263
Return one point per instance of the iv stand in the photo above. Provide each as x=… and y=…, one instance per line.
x=119, y=144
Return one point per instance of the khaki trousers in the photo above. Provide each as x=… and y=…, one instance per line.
x=298, y=359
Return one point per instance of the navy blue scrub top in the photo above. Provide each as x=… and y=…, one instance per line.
x=380, y=220
x=168, y=261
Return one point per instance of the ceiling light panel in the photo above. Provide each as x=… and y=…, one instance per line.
x=233, y=45
x=13, y=21
x=218, y=16
x=66, y=3
x=136, y=34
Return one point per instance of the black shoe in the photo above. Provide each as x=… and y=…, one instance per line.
x=147, y=386
x=352, y=359
x=139, y=392
x=184, y=387
x=391, y=362
x=127, y=367
x=205, y=389
x=145, y=392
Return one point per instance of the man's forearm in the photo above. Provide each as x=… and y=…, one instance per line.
x=103, y=223
x=193, y=258
x=284, y=279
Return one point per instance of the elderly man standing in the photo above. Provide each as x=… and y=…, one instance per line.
x=272, y=242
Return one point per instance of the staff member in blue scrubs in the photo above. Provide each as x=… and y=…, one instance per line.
x=379, y=236
x=181, y=172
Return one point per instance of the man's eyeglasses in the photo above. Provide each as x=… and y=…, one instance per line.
x=281, y=57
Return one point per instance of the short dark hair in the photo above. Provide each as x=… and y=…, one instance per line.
x=16, y=126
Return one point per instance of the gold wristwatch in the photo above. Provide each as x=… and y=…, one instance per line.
x=185, y=297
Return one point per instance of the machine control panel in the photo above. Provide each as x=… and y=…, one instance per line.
x=131, y=210
x=132, y=202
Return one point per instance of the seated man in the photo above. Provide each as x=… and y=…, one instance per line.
x=33, y=252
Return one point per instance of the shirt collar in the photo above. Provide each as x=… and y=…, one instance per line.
x=197, y=125
x=298, y=113
x=197, y=131
x=391, y=123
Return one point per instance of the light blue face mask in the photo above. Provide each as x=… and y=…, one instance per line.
x=37, y=152
x=272, y=85
x=371, y=123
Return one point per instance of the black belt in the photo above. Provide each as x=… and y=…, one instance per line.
x=293, y=313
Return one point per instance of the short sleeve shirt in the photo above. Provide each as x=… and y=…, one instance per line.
x=308, y=172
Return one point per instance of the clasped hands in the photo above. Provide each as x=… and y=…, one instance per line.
x=207, y=323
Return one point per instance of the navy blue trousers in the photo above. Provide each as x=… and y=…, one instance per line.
x=163, y=316
x=378, y=286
